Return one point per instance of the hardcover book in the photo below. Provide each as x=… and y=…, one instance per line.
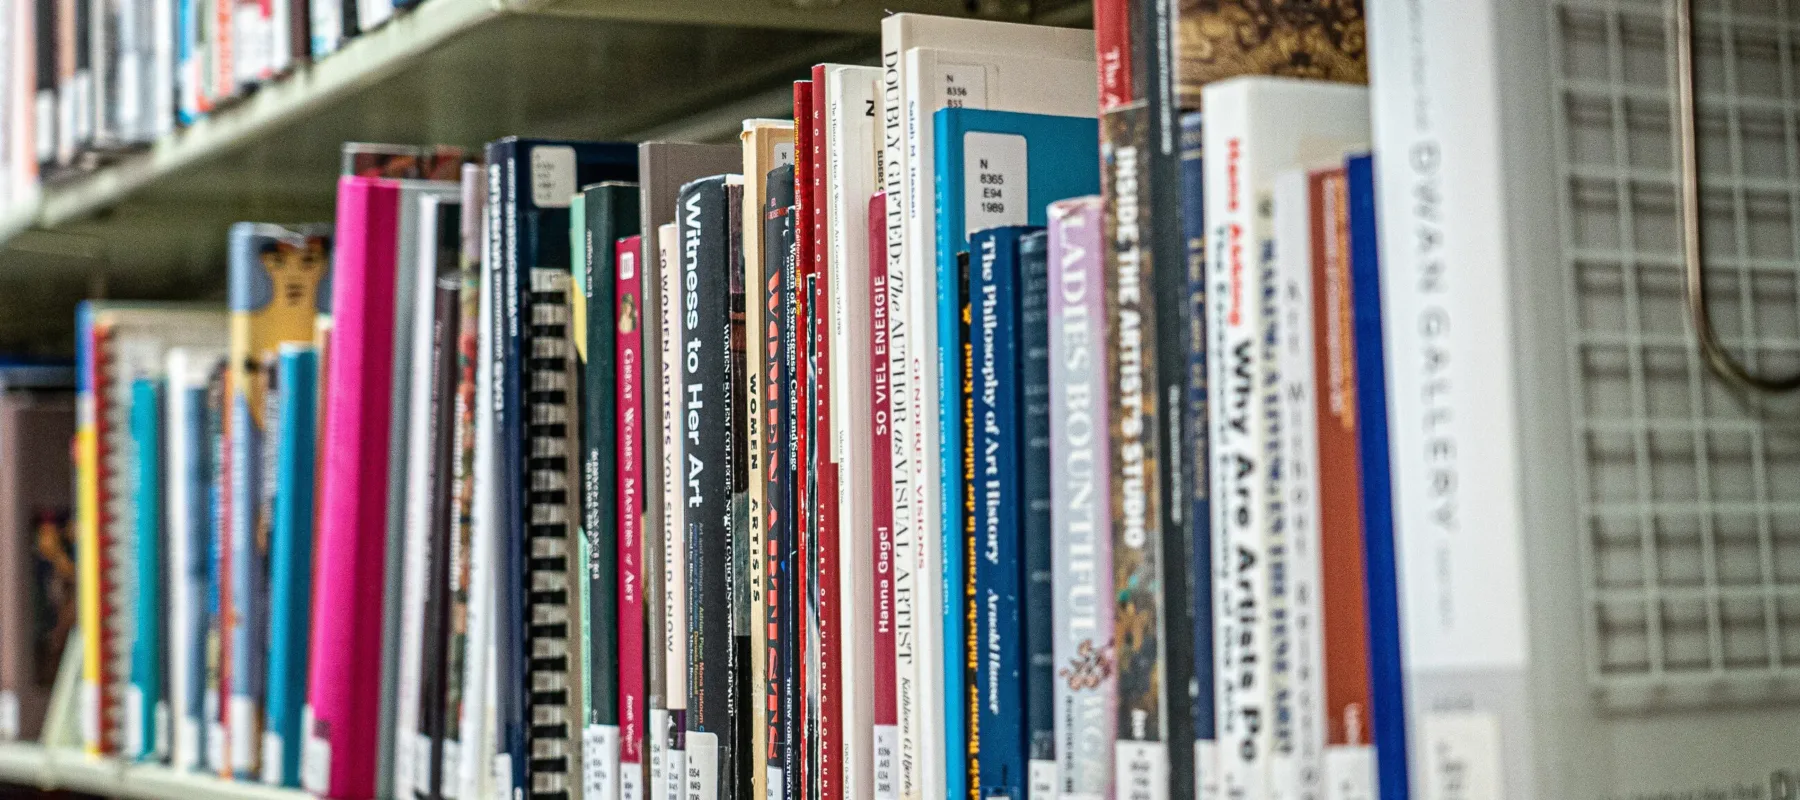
x=629, y=423
x=276, y=277
x=296, y=391
x=37, y=547
x=145, y=710
x=188, y=503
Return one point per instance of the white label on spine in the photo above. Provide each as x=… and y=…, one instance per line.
x=600, y=761
x=9, y=715
x=887, y=745
x=90, y=713
x=1206, y=769
x=271, y=758
x=161, y=725
x=1140, y=771
x=773, y=791
x=702, y=766
x=1350, y=772
x=421, y=761
x=675, y=774
x=1462, y=755
x=218, y=749
x=631, y=780
x=784, y=154
x=243, y=733
x=187, y=749
x=503, y=785
x=452, y=787
x=994, y=180
x=963, y=85
x=659, y=722
x=46, y=125
x=315, y=757
x=1043, y=780
x=552, y=176
x=134, y=722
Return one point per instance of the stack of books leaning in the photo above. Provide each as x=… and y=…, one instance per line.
x=991, y=427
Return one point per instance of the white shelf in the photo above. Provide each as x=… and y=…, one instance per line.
x=54, y=768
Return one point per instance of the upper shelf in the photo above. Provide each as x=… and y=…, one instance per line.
x=453, y=72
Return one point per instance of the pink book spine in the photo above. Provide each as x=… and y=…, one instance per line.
x=346, y=637
x=881, y=464
x=629, y=408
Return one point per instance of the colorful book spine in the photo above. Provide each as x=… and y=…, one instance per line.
x=826, y=561
x=881, y=510
x=1039, y=595
x=674, y=577
x=628, y=424
x=90, y=413
x=1194, y=425
x=1080, y=512
x=218, y=511
x=969, y=754
x=145, y=712
x=274, y=284
x=341, y=724
x=1386, y=665
x=780, y=609
x=464, y=709
x=291, y=559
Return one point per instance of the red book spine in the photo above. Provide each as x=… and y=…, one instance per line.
x=1343, y=605
x=831, y=735
x=101, y=380
x=1112, y=44
x=223, y=84
x=881, y=464
x=808, y=661
x=629, y=355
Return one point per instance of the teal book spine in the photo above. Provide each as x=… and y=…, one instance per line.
x=291, y=556
x=147, y=715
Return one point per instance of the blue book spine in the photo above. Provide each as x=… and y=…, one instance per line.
x=1378, y=513
x=197, y=570
x=290, y=551
x=1194, y=427
x=1039, y=600
x=246, y=618
x=1001, y=146
x=146, y=715
x=996, y=679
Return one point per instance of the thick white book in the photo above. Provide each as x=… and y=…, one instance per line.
x=1256, y=128
x=851, y=95
x=930, y=735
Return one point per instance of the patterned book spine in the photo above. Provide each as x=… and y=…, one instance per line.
x=881, y=508
x=778, y=533
x=463, y=711
x=1141, y=755
x=1349, y=757
x=551, y=538
x=218, y=573
x=1194, y=412
x=1039, y=596
x=91, y=504
x=291, y=558
x=674, y=578
x=629, y=427
x=1080, y=511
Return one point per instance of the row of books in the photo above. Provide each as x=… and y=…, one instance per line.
x=83, y=81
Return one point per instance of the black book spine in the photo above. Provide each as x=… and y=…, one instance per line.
x=446, y=322
x=703, y=235
x=784, y=674
x=739, y=676
x=1040, y=599
x=44, y=113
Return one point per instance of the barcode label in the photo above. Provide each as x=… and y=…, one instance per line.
x=452, y=788
x=1350, y=773
x=503, y=785
x=675, y=774
x=9, y=714
x=1206, y=769
x=271, y=758
x=631, y=781
x=1043, y=780
x=161, y=728
x=1142, y=769
x=600, y=761
x=1462, y=756
x=702, y=766
x=887, y=741
x=243, y=734
x=134, y=721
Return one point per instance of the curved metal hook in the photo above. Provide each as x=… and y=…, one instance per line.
x=1720, y=360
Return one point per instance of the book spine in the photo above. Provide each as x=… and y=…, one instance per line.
x=1194, y=424
x=1388, y=704
x=1112, y=51
x=881, y=510
x=461, y=652
x=1239, y=454
x=479, y=733
x=446, y=292
x=1080, y=513
x=218, y=574
x=995, y=652
x=595, y=249
x=349, y=560
x=509, y=280
x=778, y=534
x=1349, y=756
x=1039, y=595
x=143, y=697
x=805, y=621
x=291, y=557
x=1141, y=752
x=187, y=569
x=629, y=426
x=1295, y=763
x=905, y=558
x=824, y=506
x=675, y=656
x=656, y=368
x=91, y=504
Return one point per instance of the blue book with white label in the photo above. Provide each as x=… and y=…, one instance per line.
x=1193, y=412
x=996, y=686
x=295, y=394
x=994, y=168
x=1378, y=510
x=145, y=722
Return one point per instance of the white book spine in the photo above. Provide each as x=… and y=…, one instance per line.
x=1300, y=764
x=162, y=68
x=179, y=531
x=484, y=547
x=1454, y=428
x=674, y=511
x=850, y=96
x=907, y=608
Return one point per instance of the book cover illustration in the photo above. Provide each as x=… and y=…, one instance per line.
x=1217, y=39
